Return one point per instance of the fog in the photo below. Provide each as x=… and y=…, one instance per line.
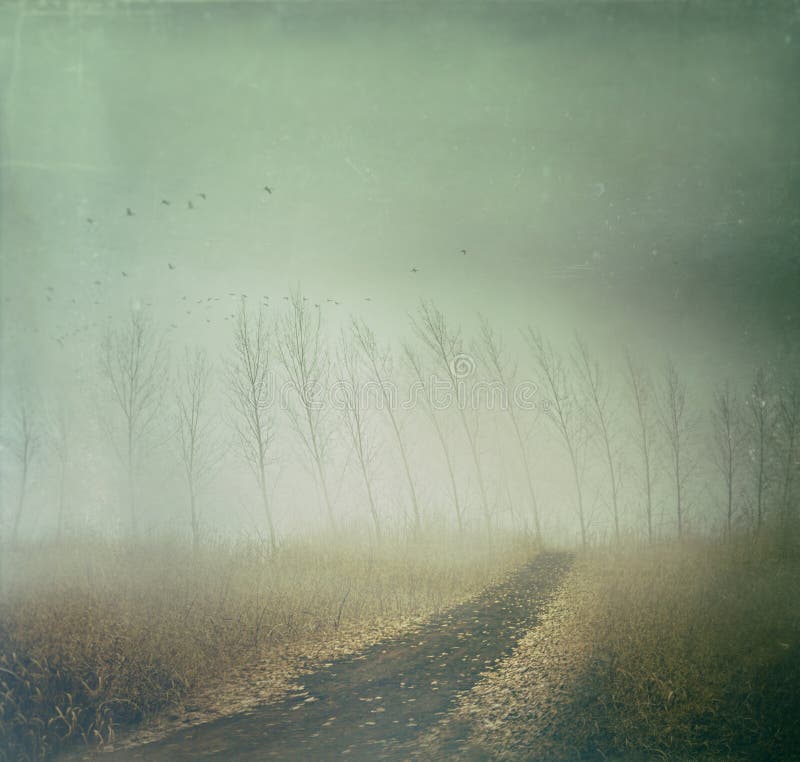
x=626, y=171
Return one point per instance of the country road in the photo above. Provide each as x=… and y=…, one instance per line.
x=377, y=704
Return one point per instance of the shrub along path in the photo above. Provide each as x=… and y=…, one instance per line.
x=374, y=705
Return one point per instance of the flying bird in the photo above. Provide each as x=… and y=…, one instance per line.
x=202, y=195
x=367, y=298
x=464, y=252
x=268, y=189
x=414, y=269
x=90, y=220
x=189, y=205
x=124, y=274
x=171, y=266
x=164, y=202
x=129, y=212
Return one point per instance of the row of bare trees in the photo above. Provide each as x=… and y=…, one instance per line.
x=629, y=436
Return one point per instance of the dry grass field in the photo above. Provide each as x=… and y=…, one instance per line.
x=673, y=652
x=102, y=637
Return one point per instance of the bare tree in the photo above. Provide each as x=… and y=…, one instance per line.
x=134, y=363
x=61, y=435
x=601, y=415
x=446, y=346
x=306, y=364
x=788, y=440
x=678, y=427
x=353, y=414
x=379, y=365
x=728, y=441
x=642, y=390
x=760, y=418
x=564, y=413
x=25, y=443
x=430, y=411
x=505, y=373
x=199, y=454
x=250, y=394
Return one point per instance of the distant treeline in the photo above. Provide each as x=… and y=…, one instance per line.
x=643, y=454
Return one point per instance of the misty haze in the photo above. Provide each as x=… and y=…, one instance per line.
x=399, y=380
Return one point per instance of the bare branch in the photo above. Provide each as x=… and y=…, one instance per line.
x=250, y=395
x=134, y=362
x=379, y=366
x=600, y=414
x=678, y=426
x=306, y=364
x=445, y=345
x=353, y=415
x=504, y=371
x=198, y=450
x=564, y=413
x=642, y=391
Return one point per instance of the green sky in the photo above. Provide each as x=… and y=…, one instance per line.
x=651, y=144
x=627, y=169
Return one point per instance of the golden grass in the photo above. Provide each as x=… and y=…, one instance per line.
x=97, y=636
x=682, y=652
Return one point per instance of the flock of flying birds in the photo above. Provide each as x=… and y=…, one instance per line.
x=207, y=303
x=190, y=206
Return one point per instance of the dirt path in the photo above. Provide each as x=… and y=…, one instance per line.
x=375, y=705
